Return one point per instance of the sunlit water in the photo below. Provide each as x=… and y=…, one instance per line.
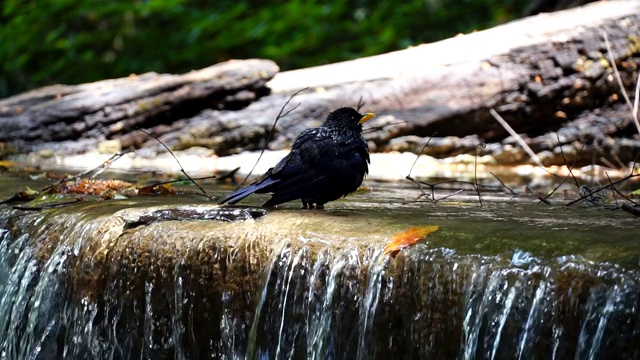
x=505, y=280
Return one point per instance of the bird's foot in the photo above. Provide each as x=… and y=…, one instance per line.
x=310, y=205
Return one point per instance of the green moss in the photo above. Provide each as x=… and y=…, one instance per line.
x=89, y=41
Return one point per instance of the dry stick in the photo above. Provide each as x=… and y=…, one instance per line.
x=635, y=162
x=564, y=158
x=422, y=192
x=475, y=172
x=518, y=138
x=634, y=107
x=634, y=114
x=609, y=163
x=602, y=188
x=374, y=128
x=178, y=161
x=434, y=185
x=419, y=183
x=630, y=209
x=180, y=180
x=564, y=179
x=526, y=147
x=633, y=166
x=450, y=195
x=47, y=206
x=273, y=127
x=360, y=104
x=614, y=191
x=96, y=171
x=631, y=174
x=503, y=185
x=635, y=104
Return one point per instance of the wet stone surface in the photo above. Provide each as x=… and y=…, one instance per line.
x=161, y=277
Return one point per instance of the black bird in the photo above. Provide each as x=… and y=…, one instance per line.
x=325, y=164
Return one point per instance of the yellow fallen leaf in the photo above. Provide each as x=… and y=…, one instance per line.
x=408, y=237
x=6, y=164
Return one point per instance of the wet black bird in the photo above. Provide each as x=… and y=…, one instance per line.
x=325, y=164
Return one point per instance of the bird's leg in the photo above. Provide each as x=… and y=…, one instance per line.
x=319, y=206
x=305, y=205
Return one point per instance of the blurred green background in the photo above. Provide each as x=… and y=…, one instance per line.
x=69, y=41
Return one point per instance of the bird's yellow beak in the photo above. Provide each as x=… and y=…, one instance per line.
x=366, y=117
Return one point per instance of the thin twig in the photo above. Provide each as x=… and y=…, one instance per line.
x=420, y=154
x=518, y=138
x=633, y=108
x=177, y=161
x=544, y=200
x=609, y=163
x=273, y=128
x=419, y=183
x=47, y=206
x=636, y=99
x=635, y=162
x=615, y=70
x=564, y=179
x=180, y=180
x=360, y=104
x=475, y=172
x=564, y=158
x=613, y=189
x=503, y=185
x=450, y=195
x=375, y=128
x=601, y=188
x=92, y=172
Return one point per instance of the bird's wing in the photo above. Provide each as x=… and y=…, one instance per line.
x=304, y=171
x=311, y=146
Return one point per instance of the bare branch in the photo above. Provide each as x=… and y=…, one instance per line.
x=518, y=138
x=633, y=108
x=273, y=127
x=421, y=151
x=503, y=185
x=179, y=164
x=590, y=193
x=475, y=173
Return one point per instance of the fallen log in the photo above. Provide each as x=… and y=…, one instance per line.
x=113, y=109
x=549, y=76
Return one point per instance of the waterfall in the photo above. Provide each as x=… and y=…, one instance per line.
x=80, y=286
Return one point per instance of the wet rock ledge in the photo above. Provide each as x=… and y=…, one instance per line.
x=133, y=280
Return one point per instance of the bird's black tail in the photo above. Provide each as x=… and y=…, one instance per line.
x=240, y=194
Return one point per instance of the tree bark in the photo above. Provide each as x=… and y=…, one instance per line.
x=549, y=76
x=78, y=115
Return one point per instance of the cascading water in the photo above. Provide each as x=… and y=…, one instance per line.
x=80, y=286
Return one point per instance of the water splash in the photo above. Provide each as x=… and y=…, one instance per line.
x=371, y=298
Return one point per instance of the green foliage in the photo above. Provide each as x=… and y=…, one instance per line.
x=68, y=41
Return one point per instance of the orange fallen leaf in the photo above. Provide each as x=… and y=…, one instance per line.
x=157, y=189
x=408, y=237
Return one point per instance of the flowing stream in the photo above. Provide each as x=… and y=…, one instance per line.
x=94, y=281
